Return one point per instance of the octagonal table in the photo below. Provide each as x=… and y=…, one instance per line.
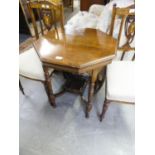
x=76, y=51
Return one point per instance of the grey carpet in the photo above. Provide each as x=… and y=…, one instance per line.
x=66, y=131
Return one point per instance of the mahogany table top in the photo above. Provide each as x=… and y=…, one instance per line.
x=76, y=49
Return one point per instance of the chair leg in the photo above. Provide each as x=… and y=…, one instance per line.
x=104, y=109
x=21, y=88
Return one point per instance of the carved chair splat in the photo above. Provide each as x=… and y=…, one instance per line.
x=50, y=14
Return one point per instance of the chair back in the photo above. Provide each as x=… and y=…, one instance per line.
x=126, y=27
x=49, y=14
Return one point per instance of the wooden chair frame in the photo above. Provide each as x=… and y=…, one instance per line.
x=128, y=18
x=46, y=83
x=47, y=13
x=128, y=21
x=46, y=10
x=42, y=81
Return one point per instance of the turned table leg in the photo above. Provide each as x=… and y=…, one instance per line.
x=48, y=87
x=91, y=92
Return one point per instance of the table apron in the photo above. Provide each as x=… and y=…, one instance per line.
x=78, y=70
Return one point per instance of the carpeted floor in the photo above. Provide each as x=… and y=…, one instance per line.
x=66, y=131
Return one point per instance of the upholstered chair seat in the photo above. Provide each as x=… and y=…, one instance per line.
x=120, y=81
x=30, y=65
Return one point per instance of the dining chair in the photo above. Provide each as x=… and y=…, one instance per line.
x=119, y=85
x=45, y=15
x=30, y=65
